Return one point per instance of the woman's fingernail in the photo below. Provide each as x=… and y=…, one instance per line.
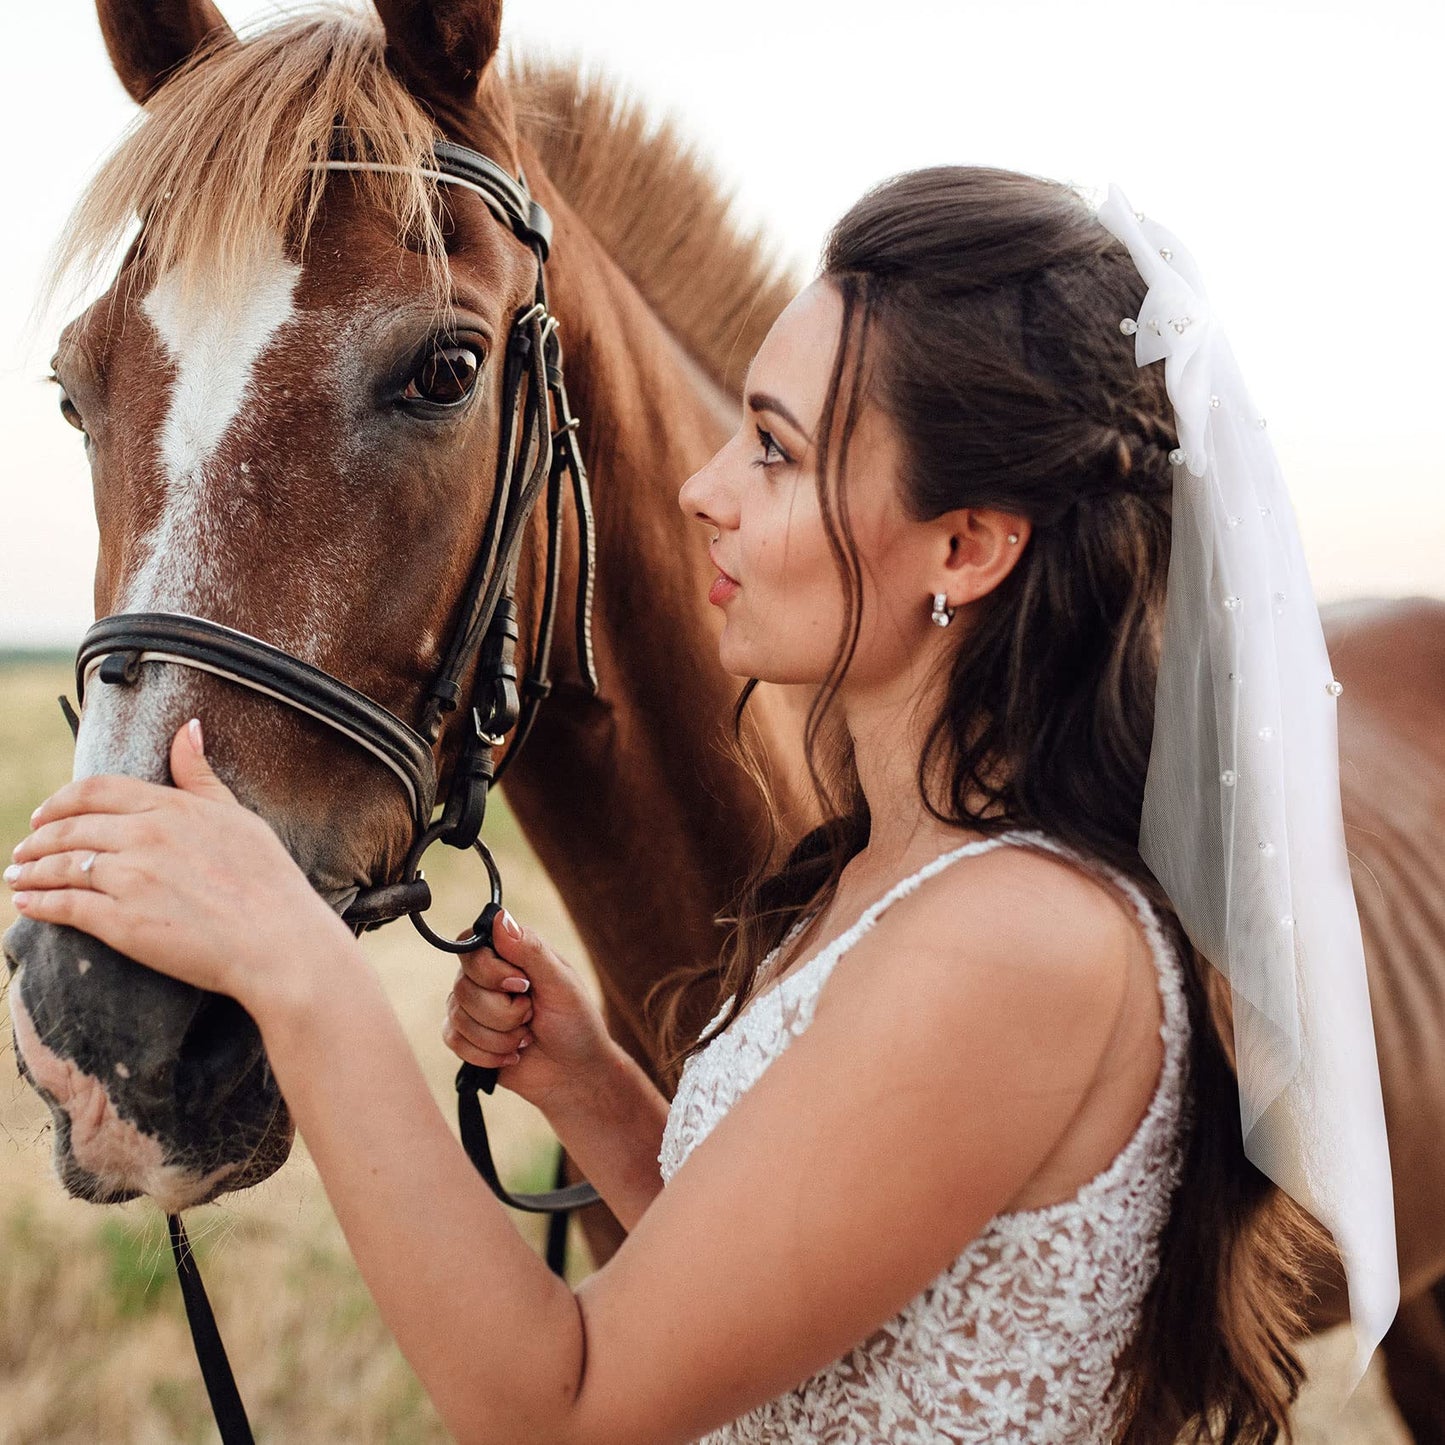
x=12, y=872
x=35, y=815
x=523, y=1045
x=512, y=985
x=511, y=924
x=193, y=730
x=20, y=900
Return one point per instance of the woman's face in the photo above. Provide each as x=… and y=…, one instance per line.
x=784, y=607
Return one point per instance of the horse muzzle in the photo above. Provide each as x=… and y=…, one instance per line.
x=156, y=1087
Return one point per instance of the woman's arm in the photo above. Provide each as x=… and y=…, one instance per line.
x=948, y=1057
x=613, y=1131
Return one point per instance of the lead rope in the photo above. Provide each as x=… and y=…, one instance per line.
x=225, y=1398
x=473, y=1080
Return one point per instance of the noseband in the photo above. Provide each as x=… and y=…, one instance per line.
x=538, y=446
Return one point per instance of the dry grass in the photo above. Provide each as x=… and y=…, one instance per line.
x=93, y=1343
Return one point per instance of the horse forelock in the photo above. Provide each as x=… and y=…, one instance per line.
x=224, y=158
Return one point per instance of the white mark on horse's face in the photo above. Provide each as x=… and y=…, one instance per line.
x=214, y=335
x=215, y=339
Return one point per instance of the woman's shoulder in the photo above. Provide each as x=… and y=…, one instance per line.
x=1026, y=889
x=1026, y=934
x=1011, y=924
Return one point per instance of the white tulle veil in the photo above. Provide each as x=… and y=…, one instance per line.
x=1241, y=821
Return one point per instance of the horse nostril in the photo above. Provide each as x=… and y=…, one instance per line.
x=220, y=1047
x=11, y=947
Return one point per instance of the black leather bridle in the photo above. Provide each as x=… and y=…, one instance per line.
x=538, y=446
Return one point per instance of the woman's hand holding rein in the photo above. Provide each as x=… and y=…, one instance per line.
x=520, y=1008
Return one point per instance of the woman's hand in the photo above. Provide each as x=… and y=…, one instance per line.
x=182, y=879
x=520, y=1008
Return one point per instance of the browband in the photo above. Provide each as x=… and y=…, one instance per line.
x=509, y=199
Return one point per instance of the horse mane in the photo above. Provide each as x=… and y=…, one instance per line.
x=658, y=209
x=220, y=162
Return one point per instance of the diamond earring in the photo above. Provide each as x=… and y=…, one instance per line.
x=942, y=612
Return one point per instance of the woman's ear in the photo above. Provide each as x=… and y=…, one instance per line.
x=982, y=546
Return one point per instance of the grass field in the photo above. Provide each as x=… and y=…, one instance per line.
x=93, y=1345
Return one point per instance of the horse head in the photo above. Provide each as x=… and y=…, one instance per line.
x=291, y=404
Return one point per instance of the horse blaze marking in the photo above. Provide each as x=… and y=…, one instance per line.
x=215, y=338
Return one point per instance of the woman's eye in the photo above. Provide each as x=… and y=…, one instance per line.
x=447, y=375
x=772, y=452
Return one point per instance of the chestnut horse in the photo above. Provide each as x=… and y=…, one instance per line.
x=257, y=462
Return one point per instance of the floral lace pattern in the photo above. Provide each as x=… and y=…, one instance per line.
x=1017, y=1340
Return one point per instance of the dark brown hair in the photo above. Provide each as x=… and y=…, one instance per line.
x=981, y=312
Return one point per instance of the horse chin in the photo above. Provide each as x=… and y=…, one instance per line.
x=171, y=1187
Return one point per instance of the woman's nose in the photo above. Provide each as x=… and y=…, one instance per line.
x=703, y=497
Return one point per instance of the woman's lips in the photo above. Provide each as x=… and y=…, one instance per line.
x=721, y=590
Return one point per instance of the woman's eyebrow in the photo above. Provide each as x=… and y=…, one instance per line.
x=761, y=401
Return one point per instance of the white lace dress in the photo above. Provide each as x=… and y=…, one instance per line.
x=1015, y=1341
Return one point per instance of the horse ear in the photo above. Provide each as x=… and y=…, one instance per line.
x=439, y=48
x=147, y=39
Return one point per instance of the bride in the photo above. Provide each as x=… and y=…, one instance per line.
x=959, y=1156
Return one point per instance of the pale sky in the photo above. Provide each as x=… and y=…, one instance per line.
x=1293, y=145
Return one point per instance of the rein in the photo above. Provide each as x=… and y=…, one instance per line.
x=538, y=447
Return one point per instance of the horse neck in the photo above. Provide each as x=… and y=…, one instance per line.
x=641, y=822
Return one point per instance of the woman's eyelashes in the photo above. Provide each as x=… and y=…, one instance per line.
x=772, y=452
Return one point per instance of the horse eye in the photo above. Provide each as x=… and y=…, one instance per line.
x=68, y=408
x=446, y=376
